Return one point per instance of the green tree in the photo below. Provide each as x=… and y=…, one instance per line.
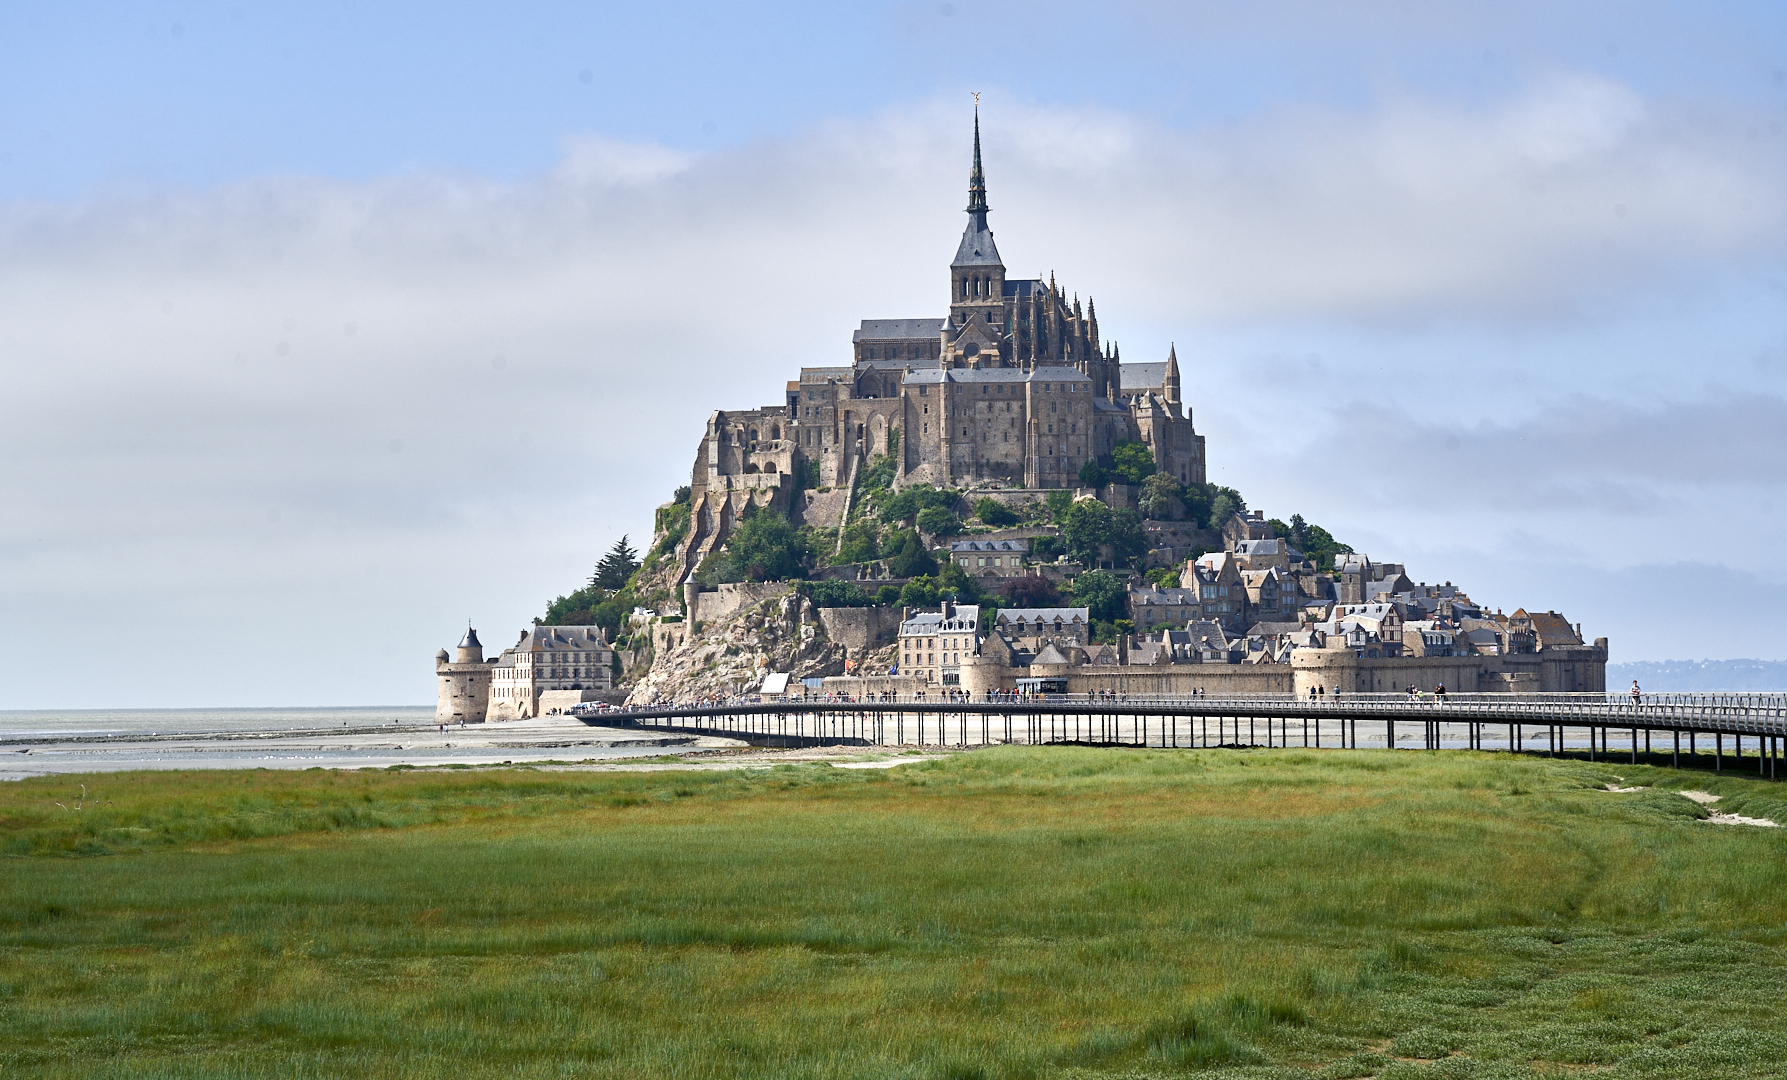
x=1225, y=502
x=1132, y=462
x=906, y=505
x=1196, y=498
x=1315, y=542
x=673, y=525
x=1167, y=577
x=879, y=475
x=828, y=593
x=896, y=507
x=939, y=522
x=576, y=609
x=887, y=596
x=1104, y=593
x=907, y=556
x=1127, y=537
x=767, y=548
x=920, y=592
x=992, y=512
x=718, y=569
x=1094, y=475
x=616, y=566
x=958, y=584
x=1060, y=502
x=1159, y=493
x=859, y=544
x=1087, y=526
x=1222, y=507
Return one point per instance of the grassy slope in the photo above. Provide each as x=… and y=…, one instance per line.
x=1014, y=912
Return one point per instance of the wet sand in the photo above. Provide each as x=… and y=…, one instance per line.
x=550, y=738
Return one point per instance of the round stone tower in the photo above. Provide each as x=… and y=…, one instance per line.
x=464, y=682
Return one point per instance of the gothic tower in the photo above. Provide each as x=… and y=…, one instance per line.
x=976, y=283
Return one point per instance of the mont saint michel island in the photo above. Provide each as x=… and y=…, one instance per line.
x=988, y=499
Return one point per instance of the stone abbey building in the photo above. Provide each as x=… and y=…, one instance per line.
x=1013, y=389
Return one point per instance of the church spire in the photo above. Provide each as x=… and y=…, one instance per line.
x=1170, y=384
x=977, y=180
x=977, y=250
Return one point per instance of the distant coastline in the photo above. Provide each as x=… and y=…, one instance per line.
x=1753, y=676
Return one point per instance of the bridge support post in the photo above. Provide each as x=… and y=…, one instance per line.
x=1675, y=756
x=1718, y=751
x=1389, y=734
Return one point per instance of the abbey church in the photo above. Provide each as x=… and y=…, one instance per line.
x=1012, y=390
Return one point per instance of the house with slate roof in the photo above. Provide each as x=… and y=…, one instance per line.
x=991, y=558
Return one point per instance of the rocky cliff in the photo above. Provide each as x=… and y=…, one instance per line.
x=733, y=655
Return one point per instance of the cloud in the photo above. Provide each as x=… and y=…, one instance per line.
x=1589, y=453
x=1533, y=206
x=355, y=412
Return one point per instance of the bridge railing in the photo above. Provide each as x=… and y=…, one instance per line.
x=1712, y=712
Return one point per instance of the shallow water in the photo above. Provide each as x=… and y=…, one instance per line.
x=40, y=743
x=25, y=723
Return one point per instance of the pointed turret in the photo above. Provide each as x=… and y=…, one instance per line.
x=1169, y=386
x=471, y=650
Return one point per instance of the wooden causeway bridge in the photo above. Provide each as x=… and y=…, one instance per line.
x=1715, y=731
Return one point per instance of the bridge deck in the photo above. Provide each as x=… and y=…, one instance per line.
x=1556, y=724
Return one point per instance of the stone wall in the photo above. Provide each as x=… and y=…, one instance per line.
x=558, y=701
x=726, y=599
x=464, y=692
x=1578, y=669
x=821, y=508
x=861, y=629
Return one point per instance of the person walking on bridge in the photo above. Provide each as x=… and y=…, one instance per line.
x=1636, y=694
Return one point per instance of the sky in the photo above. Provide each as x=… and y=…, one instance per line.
x=325, y=327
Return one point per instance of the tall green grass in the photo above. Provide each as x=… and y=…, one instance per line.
x=1008, y=913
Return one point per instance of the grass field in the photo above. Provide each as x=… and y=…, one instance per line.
x=1005, y=913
